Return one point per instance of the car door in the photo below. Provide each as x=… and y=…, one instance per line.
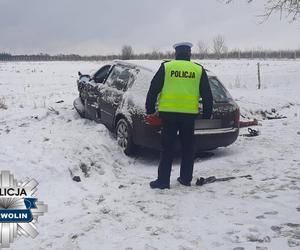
x=111, y=94
x=91, y=93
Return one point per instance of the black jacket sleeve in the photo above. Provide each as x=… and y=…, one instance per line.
x=155, y=88
x=207, y=98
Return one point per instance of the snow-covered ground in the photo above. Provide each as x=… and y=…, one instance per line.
x=113, y=207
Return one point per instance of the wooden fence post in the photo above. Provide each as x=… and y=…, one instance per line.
x=258, y=75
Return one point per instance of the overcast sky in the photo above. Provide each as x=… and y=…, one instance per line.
x=102, y=26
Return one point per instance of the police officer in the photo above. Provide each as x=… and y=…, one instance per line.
x=180, y=84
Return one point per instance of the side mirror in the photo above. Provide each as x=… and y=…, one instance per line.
x=84, y=78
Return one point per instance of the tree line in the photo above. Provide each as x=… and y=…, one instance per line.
x=218, y=49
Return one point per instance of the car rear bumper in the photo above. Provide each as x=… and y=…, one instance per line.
x=215, y=138
x=215, y=131
x=205, y=139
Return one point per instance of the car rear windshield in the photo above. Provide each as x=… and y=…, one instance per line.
x=220, y=94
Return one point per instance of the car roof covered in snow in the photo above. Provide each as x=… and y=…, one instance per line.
x=148, y=65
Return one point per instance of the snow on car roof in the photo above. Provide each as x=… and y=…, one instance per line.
x=132, y=65
x=149, y=65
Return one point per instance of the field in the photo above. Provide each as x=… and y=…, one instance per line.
x=42, y=137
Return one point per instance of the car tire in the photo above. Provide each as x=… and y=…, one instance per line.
x=124, y=137
x=84, y=105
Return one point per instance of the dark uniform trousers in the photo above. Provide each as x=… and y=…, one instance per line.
x=171, y=126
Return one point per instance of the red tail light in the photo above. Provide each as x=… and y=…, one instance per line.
x=153, y=120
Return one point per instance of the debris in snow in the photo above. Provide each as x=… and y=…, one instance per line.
x=276, y=117
x=60, y=101
x=201, y=181
x=46, y=139
x=76, y=178
x=85, y=169
x=266, y=114
x=252, y=133
x=248, y=123
x=51, y=109
x=75, y=236
x=121, y=186
x=298, y=133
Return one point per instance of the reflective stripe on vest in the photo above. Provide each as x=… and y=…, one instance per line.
x=180, y=92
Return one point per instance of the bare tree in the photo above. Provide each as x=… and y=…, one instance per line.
x=291, y=8
x=202, y=47
x=155, y=54
x=219, y=46
x=127, y=52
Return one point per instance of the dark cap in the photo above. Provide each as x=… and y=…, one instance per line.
x=183, y=46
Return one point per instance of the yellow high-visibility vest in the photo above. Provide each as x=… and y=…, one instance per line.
x=181, y=92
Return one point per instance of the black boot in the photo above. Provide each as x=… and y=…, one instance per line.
x=184, y=183
x=157, y=184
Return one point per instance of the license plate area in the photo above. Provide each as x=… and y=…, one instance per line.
x=208, y=124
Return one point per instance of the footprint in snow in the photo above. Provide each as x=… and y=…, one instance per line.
x=258, y=238
x=290, y=231
x=271, y=213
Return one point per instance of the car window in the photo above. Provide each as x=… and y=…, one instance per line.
x=220, y=94
x=101, y=74
x=119, y=78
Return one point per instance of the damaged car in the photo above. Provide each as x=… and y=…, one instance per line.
x=115, y=96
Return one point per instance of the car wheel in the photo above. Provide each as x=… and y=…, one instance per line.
x=84, y=109
x=124, y=136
